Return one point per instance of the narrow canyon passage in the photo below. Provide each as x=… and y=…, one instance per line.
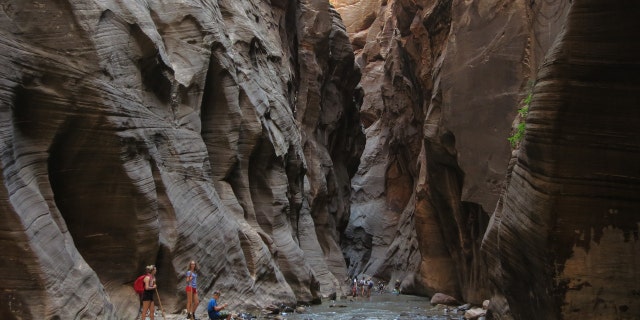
x=483, y=150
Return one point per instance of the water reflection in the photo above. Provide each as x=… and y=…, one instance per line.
x=379, y=306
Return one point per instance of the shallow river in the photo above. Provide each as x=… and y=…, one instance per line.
x=379, y=306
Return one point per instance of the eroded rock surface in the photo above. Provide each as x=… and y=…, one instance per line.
x=442, y=81
x=139, y=132
x=156, y=132
x=564, y=242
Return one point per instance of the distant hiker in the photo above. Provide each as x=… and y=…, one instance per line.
x=147, y=295
x=213, y=309
x=363, y=286
x=396, y=288
x=369, y=287
x=192, y=291
x=354, y=288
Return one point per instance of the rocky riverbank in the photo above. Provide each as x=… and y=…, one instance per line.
x=378, y=306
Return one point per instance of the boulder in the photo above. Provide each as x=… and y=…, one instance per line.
x=441, y=298
x=474, y=313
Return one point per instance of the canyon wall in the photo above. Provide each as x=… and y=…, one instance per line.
x=233, y=133
x=441, y=201
x=563, y=243
x=156, y=132
x=442, y=82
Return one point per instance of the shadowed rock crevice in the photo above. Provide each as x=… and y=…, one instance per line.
x=121, y=230
x=156, y=77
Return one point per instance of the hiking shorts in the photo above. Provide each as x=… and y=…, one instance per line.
x=222, y=315
x=192, y=289
x=147, y=295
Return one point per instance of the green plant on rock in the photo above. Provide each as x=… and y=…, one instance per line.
x=518, y=134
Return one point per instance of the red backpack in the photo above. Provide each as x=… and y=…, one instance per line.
x=138, y=285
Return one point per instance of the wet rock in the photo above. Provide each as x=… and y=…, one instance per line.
x=463, y=307
x=245, y=316
x=474, y=313
x=271, y=309
x=441, y=298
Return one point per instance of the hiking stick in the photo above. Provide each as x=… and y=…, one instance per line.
x=160, y=303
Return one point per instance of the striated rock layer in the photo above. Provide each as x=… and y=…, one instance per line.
x=563, y=244
x=156, y=132
x=442, y=82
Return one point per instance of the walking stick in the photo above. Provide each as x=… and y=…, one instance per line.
x=160, y=303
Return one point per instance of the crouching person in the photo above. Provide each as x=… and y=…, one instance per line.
x=214, y=309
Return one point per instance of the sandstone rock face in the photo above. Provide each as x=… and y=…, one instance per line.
x=564, y=242
x=442, y=81
x=156, y=132
x=441, y=84
x=357, y=15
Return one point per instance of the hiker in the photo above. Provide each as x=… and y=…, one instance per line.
x=354, y=288
x=147, y=295
x=214, y=309
x=369, y=287
x=192, y=291
x=363, y=287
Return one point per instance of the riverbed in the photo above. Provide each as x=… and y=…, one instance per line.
x=380, y=306
x=377, y=307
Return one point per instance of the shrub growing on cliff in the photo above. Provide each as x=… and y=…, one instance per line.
x=518, y=134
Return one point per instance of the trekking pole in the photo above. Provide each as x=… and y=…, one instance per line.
x=160, y=303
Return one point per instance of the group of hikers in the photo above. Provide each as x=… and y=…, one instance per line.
x=365, y=287
x=147, y=305
x=148, y=287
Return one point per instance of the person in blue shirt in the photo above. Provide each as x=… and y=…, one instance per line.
x=214, y=309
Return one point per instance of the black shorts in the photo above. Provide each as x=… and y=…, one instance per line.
x=147, y=295
x=223, y=315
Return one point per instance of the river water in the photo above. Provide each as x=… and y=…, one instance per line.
x=379, y=306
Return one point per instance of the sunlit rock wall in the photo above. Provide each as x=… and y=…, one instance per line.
x=156, y=132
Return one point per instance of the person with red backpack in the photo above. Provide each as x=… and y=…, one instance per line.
x=147, y=295
x=138, y=287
